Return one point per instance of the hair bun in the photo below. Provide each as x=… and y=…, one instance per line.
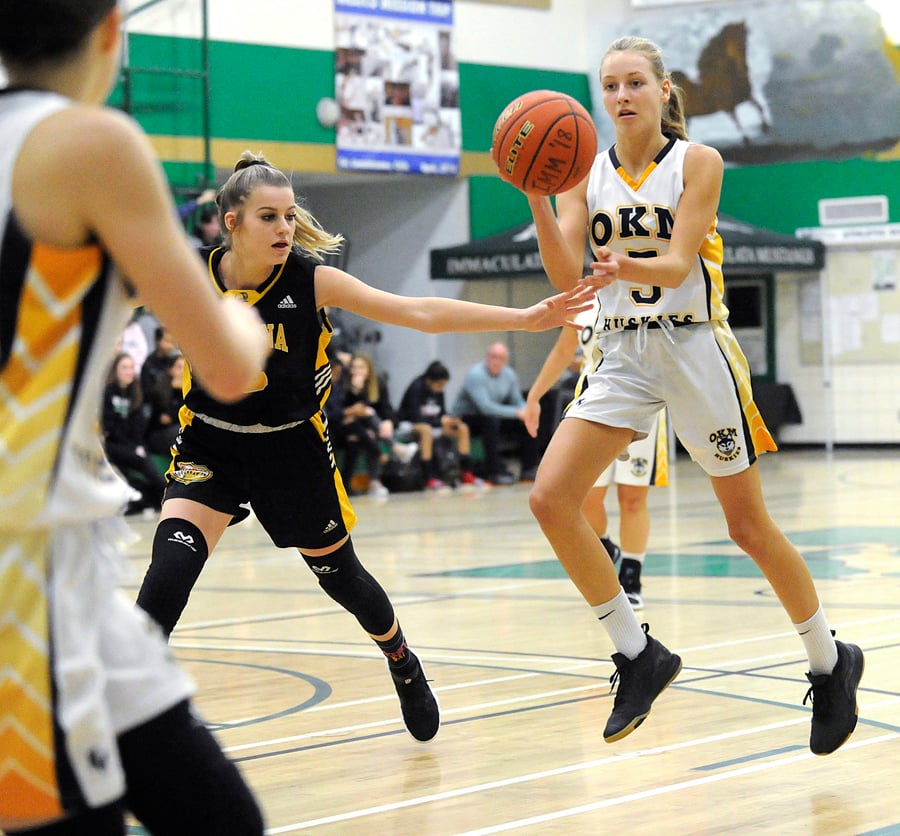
x=250, y=160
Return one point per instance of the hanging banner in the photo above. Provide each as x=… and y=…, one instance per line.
x=397, y=85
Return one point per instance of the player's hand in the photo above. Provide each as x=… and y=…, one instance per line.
x=248, y=331
x=206, y=196
x=559, y=310
x=532, y=417
x=604, y=270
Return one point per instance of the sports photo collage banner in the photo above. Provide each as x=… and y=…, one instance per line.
x=397, y=87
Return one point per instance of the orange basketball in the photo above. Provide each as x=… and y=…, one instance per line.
x=544, y=142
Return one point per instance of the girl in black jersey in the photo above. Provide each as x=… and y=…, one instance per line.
x=272, y=449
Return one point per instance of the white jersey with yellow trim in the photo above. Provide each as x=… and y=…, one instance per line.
x=636, y=218
x=61, y=311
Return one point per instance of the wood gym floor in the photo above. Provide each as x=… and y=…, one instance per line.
x=301, y=699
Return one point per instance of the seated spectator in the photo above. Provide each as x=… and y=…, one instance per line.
x=207, y=232
x=133, y=340
x=165, y=400
x=491, y=403
x=203, y=226
x=424, y=409
x=334, y=408
x=344, y=337
x=188, y=207
x=148, y=322
x=156, y=367
x=124, y=424
x=368, y=420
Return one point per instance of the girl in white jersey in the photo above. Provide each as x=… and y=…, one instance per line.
x=95, y=715
x=648, y=209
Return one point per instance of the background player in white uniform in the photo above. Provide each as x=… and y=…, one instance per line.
x=648, y=208
x=94, y=714
x=645, y=462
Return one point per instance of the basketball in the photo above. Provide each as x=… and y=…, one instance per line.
x=544, y=142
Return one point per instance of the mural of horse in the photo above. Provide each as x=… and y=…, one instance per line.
x=723, y=80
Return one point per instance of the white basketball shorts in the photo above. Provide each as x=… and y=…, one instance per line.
x=699, y=372
x=646, y=461
x=79, y=665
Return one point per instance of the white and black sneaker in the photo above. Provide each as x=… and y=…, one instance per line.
x=630, y=578
x=612, y=549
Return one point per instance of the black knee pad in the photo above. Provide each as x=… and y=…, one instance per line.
x=346, y=581
x=179, y=552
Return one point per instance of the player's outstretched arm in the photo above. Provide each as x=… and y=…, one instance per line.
x=436, y=315
x=554, y=365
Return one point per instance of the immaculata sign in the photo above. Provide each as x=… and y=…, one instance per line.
x=514, y=253
x=752, y=249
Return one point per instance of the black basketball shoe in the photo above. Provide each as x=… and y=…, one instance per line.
x=640, y=681
x=418, y=705
x=833, y=695
x=612, y=549
x=630, y=578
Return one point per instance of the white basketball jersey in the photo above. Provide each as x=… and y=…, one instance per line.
x=61, y=311
x=636, y=218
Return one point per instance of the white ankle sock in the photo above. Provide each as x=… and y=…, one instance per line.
x=631, y=556
x=819, y=643
x=618, y=617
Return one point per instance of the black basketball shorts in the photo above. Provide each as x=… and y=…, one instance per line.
x=288, y=476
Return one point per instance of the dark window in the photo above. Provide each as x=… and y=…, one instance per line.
x=745, y=305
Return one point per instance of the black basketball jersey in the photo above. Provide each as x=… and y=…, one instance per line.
x=297, y=378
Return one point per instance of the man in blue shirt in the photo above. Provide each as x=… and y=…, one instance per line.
x=491, y=403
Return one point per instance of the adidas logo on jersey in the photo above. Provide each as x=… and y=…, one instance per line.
x=287, y=302
x=332, y=525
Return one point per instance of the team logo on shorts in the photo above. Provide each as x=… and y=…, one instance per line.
x=188, y=472
x=727, y=448
x=639, y=466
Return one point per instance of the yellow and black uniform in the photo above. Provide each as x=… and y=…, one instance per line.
x=297, y=378
x=272, y=449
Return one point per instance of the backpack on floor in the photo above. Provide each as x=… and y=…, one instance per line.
x=399, y=477
x=446, y=461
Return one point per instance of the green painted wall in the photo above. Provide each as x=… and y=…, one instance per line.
x=785, y=197
x=271, y=92
x=484, y=92
x=255, y=91
x=261, y=93
x=494, y=206
x=781, y=197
